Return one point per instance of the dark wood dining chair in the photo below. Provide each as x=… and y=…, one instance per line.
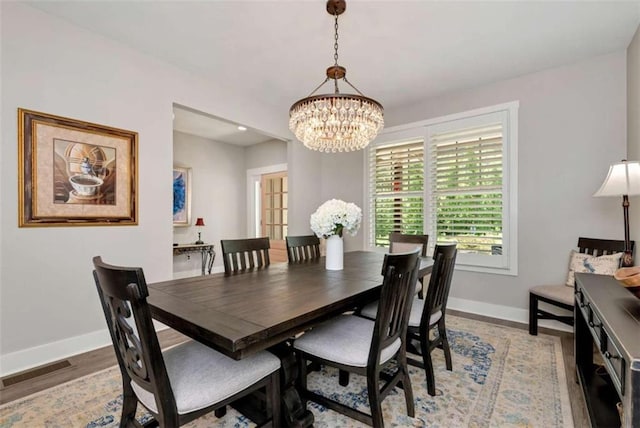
x=402, y=243
x=303, y=248
x=561, y=295
x=184, y=382
x=242, y=255
x=366, y=347
x=430, y=313
x=398, y=243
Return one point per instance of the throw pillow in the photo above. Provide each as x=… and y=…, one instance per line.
x=602, y=265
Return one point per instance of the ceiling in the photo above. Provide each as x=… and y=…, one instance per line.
x=203, y=125
x=397, y=52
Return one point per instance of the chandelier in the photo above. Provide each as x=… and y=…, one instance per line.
x=336, y=122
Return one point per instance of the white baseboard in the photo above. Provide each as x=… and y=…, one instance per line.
x=43, y=354
x=30, y=358
x=507, y=313
x=39, y=355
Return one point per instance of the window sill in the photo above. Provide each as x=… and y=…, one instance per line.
x=485, y=269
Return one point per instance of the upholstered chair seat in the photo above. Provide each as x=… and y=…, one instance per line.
x=559, y=293
x=194, y=369
x=370, y=311
x=415, y=315
x=344, y=340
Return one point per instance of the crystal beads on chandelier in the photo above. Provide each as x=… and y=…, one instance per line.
x=336, y=122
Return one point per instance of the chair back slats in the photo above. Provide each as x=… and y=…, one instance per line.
x=440, y=282
x=303, y=248
x=400, y=273
x=123, y=295
x=402, y=243
x=599, y=247
x=240, y=255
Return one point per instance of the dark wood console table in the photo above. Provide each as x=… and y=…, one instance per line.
x=206, y=251
x=608, y=316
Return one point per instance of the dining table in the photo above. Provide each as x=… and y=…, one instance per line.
x=244, y=313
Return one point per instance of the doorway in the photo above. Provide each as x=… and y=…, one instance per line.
x=268, y=207
x=273, y=213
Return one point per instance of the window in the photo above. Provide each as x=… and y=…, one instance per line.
x=468, y=191
x=397, y=191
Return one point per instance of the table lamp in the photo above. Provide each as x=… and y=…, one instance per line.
x=623, y=180
x=199, y=223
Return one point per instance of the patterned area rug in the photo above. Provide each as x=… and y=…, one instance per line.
x=502, y=377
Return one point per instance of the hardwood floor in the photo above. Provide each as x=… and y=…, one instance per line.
x=22, y=384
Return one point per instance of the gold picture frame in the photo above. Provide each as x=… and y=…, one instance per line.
x=75, y=173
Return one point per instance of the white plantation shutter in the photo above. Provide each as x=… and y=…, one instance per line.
x=467, y=189
x=466, y=192
x=396, y=190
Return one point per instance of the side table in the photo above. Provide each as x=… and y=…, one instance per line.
x=206, y=251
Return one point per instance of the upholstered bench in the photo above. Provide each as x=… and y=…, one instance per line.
x=600, y=256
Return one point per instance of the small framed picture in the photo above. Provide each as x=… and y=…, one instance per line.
x=181, y=196
x=75, y=173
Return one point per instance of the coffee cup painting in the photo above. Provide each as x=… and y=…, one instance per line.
x=83, y=173
x=75, y=173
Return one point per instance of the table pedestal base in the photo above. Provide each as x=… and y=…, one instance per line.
x=294, y=413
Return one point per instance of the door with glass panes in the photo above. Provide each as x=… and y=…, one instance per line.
x=274, y=202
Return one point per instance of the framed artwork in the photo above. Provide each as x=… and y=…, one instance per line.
x=181, y=196
x=75, y=173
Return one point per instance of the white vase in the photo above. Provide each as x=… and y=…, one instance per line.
x=335, y=253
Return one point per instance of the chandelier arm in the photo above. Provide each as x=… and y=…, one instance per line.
x=318, y=87
x=356, y=89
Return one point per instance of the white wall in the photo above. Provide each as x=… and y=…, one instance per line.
x=305, y=178
x=218, y=196
x=49, y=306
x=633, y=130
x=269, y=153
x=572, y=125
x=316, y=177
x=342, y=178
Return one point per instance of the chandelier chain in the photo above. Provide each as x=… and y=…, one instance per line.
x=335, y=55
x=335, y=45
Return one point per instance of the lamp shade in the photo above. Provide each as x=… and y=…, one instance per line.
x=199, y=221
x=623, y=179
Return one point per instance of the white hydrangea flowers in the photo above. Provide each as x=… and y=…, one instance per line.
x=335, y=216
